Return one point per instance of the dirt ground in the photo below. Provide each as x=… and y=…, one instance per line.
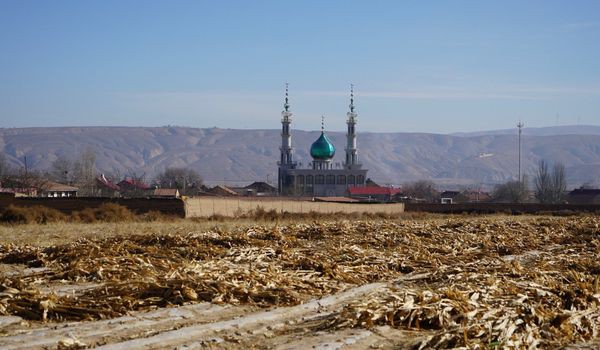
x=437, y=282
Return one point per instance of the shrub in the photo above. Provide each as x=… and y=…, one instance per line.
x=112, y=212
x=87, y=215
x=35, y=214
x=107, y=212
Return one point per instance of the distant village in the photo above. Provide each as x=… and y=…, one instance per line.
x=424, y=191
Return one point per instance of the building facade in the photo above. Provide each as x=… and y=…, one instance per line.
x=320, y=179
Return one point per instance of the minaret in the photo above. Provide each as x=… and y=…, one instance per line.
x=286, y=137
x=351, y=149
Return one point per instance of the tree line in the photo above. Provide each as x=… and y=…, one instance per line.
x=82, y=172
x=549, y=187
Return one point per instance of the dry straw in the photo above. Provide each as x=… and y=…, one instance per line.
x=480, y=283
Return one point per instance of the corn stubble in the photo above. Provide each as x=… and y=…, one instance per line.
x=475, y=282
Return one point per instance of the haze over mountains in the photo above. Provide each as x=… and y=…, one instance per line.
x=235, y=157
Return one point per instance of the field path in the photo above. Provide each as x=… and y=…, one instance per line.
x=208, y=325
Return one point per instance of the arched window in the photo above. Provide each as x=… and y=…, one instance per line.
x=309, y=179
x=351, y=180
x=300, y=184
x=309, y=184
x=319, y=180
x=330, y=180
x=360, y=180
x=341, y=179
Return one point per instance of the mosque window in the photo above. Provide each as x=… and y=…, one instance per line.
x=341, y=179
x=319, y=179
x=309, y=179
x=309, y=189
x=330, y=179
x=300, y=183
x=360, y=180
x=351, y=180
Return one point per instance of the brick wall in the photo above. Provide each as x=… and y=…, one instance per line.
x=208, y=206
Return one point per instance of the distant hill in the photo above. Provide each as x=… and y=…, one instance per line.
x=242, y=156
x=543, y=131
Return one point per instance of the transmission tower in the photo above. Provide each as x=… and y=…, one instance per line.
x=520, y=125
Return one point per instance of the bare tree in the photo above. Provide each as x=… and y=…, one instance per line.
x=61, y=170
x=28, y=182
x=186, y=180
x=559, y=183
x=511, y=191
x=550, y=186
x=5, y=168
x=422, y=189
x=84, y=172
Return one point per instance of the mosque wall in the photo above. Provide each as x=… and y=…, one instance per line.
x=209, y=206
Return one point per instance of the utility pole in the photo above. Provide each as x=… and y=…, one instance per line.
x=520, y=125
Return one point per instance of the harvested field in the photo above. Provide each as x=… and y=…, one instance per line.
x=445, y=282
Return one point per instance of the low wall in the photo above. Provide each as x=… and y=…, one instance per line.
x=489, y=208
x=208, y=206
x=68, y=205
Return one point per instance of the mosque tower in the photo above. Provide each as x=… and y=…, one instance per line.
x=286, y=136
x=351, y=149
x=286, y=162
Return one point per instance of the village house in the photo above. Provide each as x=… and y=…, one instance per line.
x=257, y=188
x=106, y=188
x=134, y=188
x=220, y=190
x=584, y=196
x=373, y=193
x=58, y=190
x=166, y=193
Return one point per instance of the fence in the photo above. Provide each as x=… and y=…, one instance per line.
x=208, y=206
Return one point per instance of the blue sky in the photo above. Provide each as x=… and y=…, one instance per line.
x=428, y=66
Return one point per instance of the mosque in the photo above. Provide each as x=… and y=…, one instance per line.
x=320, y=179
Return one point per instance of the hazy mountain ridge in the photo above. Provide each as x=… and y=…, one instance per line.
x=241, y=156
x=541, y=131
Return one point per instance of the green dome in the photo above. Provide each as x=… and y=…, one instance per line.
x=322, y=148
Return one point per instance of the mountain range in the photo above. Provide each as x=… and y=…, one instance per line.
x=235, y=157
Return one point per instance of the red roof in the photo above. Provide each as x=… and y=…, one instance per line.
x=132, y=183
x=373, y=191
x=102, y=180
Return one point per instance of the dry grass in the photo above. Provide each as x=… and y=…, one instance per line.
x=480, y=282
x=31, y=215
x=107, y=212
